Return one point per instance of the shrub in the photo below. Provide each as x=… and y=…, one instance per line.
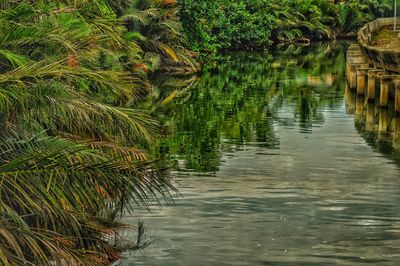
x=255, y=24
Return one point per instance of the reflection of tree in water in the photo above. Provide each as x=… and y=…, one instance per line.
x=240, y=102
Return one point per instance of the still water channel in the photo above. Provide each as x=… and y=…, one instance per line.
x=274, y=168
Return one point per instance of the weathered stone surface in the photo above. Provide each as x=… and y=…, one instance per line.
x=380, y=57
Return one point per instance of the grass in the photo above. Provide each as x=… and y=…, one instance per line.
x=386, y=39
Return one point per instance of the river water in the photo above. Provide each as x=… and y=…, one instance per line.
x=275, y=167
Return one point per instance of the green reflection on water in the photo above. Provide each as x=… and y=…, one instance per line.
x=236, y=102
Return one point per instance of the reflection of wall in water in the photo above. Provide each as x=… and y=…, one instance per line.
x=380, y=127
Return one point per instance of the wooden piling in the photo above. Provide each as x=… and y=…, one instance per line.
x=359, y=106
x=362, y=75
x=356, y=59
x=372, y=83
x=351, y=54
x=370, y=117
x=396, y=133
x=354, y=48
x=384, y=90
x=350, y=101
x=397, y=96
x=353, y=74
x=396, y=125
x=383, y=120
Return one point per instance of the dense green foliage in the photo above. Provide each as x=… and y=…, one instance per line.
x=255, y=24
x=72, y=140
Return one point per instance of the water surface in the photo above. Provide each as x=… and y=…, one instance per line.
x=275, y=168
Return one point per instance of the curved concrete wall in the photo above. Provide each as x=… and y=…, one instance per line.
x=381, y=58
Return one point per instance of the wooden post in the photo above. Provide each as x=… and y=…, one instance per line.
x=354, y=48
x=362, y=74
x=359, y=106
x=384, y=91
x=383, y=120
x=352, y=80
x=370, y=117
x=350, y=101
x=396, y=125
x=396, y=133
x=397, y=96
x=372, y=83
x=356, y=59
x=351, y=54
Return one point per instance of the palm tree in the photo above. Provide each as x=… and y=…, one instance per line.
x=154, y=25
x=72, y=142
